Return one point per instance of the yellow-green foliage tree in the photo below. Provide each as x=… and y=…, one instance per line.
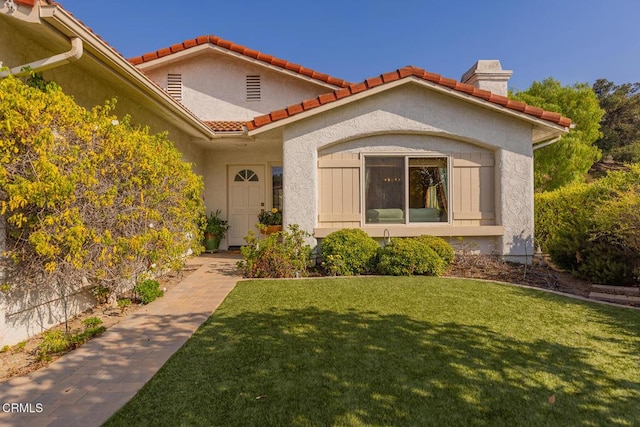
x=568, y=160
x=87, y=197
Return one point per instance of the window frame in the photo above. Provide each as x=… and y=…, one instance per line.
x=270, y=167
x=406, y=156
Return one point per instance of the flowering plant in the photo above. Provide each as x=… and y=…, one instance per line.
x=272, y=217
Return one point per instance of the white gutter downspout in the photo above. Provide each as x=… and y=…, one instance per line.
x=44, y=64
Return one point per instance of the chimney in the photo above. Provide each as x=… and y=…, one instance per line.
x=488, y=74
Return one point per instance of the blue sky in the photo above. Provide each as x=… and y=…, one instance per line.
x=571, y=41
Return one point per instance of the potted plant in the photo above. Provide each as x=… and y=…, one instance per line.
x=270, y=221
x=214, y=231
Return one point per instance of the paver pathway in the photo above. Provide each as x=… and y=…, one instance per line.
x=87, y=386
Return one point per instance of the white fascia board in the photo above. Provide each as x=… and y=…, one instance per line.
x=66, y=24
x=548, y=129
x=192, y=51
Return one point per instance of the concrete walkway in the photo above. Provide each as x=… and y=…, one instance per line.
x=87, y=386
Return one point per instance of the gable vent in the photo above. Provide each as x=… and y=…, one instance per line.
x=253, y=88
x=174, y=86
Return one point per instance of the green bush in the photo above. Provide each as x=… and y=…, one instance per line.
x=282, y=254
x=592, y=229
x=627, y=153
x=123, y=304
x=440, y=246
x=91, y=322
x=148, y=291
x=406, y=256
x=556, y=210
x=90, y=332
x=54, y=342
x=349, y=251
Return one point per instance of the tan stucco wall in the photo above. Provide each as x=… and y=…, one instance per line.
x=214, y=86
x=240, y=152
x=411, y=109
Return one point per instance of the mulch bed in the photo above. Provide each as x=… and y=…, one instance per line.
x=541, y=274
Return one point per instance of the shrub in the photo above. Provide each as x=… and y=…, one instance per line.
x=123, y=304
x=53, y=342
x=91, y=322
x=101, y=294
x=82, y=337
x=440, y=246
x=559, y=209
x=592, y=229
x=19, y=347
x=627, y=153
x=148, y=290
x=349, y=251
x=406, y=256
x=282, y=254
x=88, y=196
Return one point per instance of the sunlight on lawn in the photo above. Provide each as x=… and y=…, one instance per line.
x=400, y=351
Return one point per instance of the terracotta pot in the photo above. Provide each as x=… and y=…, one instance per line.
x=270, y=229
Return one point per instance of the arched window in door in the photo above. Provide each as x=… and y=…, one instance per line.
x=246, y=175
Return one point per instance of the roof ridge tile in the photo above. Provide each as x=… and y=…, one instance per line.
x=242, y=50
x=402, y=73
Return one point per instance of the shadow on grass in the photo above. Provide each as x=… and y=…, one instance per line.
x=318, y=367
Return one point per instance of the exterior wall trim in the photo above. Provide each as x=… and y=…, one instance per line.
x=414, y=231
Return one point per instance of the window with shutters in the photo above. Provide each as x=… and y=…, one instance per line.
x=174, y=86
x=253, y=88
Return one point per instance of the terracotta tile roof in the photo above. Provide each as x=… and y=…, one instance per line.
x=226, y=126
x=226, y=44
x=403, y=73
x=33, y=2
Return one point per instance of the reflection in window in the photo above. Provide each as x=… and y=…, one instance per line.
x=427, y=189
x=276, y=186
x=384, y=192
x=396, y=184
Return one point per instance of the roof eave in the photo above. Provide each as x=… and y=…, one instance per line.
x=192, y=51
x=62, y=21
x=552, y=129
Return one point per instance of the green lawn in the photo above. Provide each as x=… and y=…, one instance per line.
x=399, y=351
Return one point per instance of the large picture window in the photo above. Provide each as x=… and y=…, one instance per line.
x=397, y=185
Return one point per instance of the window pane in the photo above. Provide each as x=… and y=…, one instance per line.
x=245, y=175
x=428, y=190
x=276, y=183
x=384, y=190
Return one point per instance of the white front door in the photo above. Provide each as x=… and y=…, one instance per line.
x=246, y=199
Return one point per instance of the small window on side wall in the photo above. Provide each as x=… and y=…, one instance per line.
x=397, y=185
